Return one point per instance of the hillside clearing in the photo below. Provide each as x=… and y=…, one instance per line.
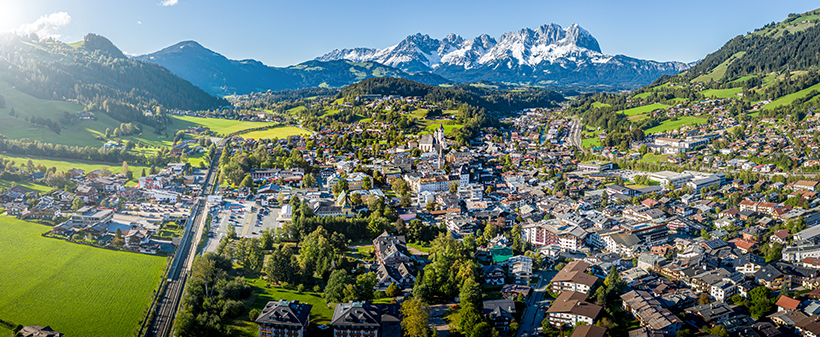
x=643, y=109
x=668, y=125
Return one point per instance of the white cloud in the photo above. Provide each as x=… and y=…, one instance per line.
x=46, y=26
x=139, y=22
x=168, y=2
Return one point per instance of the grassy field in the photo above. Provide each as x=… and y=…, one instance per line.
x=671, y=125
x=67, y=164
x=591, y=142
x=722, y=93
x=27, y=185
x=419, y=247
x=719, y=71
x=599, y=105
x=643, y=109
x=220, y=126
x=642, y=95
x=448, y=128
x=319, y=314
x=637, y=117
x=278, y=132
x=680, y=100
x=788, y=99
x=77, y=290
x=654, y=158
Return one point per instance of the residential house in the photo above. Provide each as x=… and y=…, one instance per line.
x=284, y=318
x=571, y=308
x=365, y=319
x=573, y=277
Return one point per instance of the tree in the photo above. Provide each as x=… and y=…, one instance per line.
x=490, y=231
x=393, y=290
x=77, y=204
x=517, y=239
x=309, y=180
x=247, y=181
x=760, y=302
x=366, y=184
x=453, y=187
x=125, y=170
x=483, y=329
x=416, y=321
x=717, y=330
x=334, y=291
x=703, y=298
x=431, y=206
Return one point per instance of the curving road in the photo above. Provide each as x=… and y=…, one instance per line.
x=168, y=305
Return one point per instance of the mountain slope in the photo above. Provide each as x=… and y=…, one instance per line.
x=791, y=44
x=550, y=55
x=221, y=76
x=94, y=72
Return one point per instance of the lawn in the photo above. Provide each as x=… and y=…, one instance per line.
x=643, y=109
x=448, y=128
x=642, y=95
x=722, y=93
x=671, y=125
x=220, y=126
x=67, y=164
x=277, y=132
x=77, y=290
x=27, y=185
x=720, y=70
x=319, y=314
x=591, y=142
x=788, y=99
x=419, y=247
x=599, y=105
x=653, y=158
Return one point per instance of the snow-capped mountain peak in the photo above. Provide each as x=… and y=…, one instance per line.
x=532, y=53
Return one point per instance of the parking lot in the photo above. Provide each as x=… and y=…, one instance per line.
x=246, y=219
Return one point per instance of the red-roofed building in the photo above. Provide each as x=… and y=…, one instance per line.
x=745, y=246
x=811, y=262
x=780, y=236
x=785, y=303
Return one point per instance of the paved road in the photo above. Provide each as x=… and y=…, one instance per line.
x=168, y=305
x=533, y=315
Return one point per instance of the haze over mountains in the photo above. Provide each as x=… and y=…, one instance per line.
x=548, y=56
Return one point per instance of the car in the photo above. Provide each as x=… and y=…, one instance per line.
x=254, y=233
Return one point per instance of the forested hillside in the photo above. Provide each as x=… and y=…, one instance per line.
x=485, y=98
x=95, y=74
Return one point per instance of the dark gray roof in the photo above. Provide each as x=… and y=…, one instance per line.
x=285, y=313
x=364, y=314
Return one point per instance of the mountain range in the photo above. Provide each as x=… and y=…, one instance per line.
x=548, y=56
x=221, y=76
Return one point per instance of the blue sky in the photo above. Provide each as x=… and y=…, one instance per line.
x=282, y=33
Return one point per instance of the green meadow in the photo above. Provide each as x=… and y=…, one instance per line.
x=77, y=290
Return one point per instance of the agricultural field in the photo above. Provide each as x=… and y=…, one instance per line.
x=720, y=70
x=277, y=132
x=67, y=164
x=643, y=109
x=788, y=99
x=27, y=185
x=77, y=290
x=668, y=125
x=722, y=93
x=220, y=126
